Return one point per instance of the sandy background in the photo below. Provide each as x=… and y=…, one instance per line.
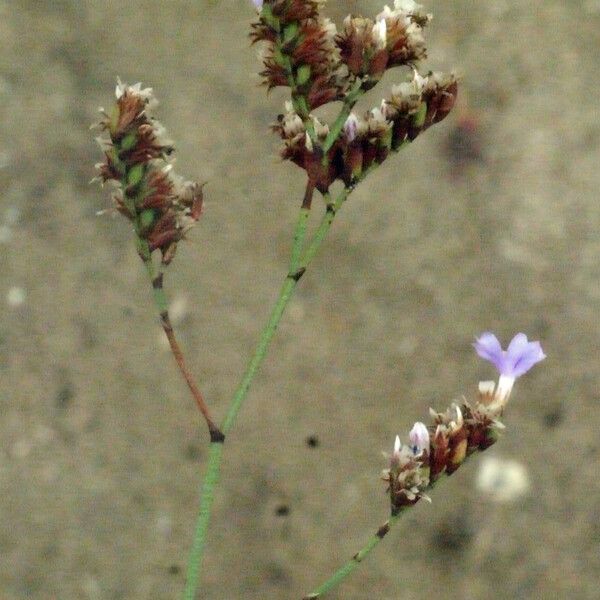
x=489, y=221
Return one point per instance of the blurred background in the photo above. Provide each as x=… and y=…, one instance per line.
x=489, y=221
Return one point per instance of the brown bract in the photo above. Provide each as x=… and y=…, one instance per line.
x=290, y=11
x=356, y=44
x=130, y=114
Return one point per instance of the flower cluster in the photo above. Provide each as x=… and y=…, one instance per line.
x=161, y=205
x=462, y=429
x=368, y=139
x=301, y=51
x=395, y=38
x=305, y=52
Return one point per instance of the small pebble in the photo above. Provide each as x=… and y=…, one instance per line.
x=502, y=480
x=15, y=296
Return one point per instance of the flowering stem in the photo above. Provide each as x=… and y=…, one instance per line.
x=160, y=299
x=345, y=570
x=373, y=541
x=298, y=264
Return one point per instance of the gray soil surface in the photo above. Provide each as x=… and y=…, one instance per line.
x=490, y=221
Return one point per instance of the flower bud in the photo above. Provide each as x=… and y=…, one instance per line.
x=419, y=438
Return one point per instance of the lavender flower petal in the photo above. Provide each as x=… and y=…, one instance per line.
x=488, y=347
x=521, y=355
x=518, y=358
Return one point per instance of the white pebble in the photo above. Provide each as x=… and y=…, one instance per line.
x=503, y=480
x=15, y=296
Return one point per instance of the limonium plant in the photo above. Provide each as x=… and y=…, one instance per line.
x=304, y=51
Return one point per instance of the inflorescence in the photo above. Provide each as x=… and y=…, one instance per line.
x=462, y=429
x=137, y=160
x=305, y=52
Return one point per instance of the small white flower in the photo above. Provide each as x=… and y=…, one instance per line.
x=396, y=458
x=292, y=125
x=380, y=34
x=419, y=437
x=410, y=7
x=136, y=88
x=308, y=142
x=378, y=115
x=418, y=81
x=456, y=417
x=321, y=129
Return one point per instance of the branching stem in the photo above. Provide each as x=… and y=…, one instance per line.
x=160, y=299
x=299, y=262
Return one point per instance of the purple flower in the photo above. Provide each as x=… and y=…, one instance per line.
x=419, y=438
x=513, y=362
x=351, y=127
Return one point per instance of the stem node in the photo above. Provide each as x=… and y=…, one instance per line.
x=297, y=275
x=216, y=435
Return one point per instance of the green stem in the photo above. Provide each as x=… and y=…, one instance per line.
x=373, y=541
x=324, y=227
x=299, y=236
x=349, y=567
x=211, y=479
x=349, y=101
x=261, y=350
x=158, y=292
x=298, y=264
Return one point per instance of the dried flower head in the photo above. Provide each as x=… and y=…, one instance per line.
x=407, y=476
x=306, y=53
x=300, y=51
x=161, y=205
